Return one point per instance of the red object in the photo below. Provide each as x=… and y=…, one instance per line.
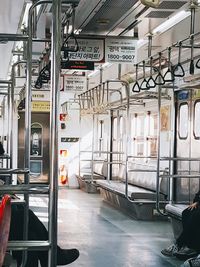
x=5, y=216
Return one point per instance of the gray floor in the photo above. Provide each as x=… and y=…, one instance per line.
x=105, y=236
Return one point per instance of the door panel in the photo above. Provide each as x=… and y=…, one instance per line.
x=39, y=146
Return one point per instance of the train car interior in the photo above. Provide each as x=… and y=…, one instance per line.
x=99, y=133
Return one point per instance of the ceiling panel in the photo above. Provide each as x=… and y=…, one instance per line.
x=109, y=13
x=171, y=4
x=159, y=14
x=9, y=18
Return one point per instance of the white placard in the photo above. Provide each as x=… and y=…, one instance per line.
x=89, y=50
x=40, y=95
x=120, y=50
x=74, y=83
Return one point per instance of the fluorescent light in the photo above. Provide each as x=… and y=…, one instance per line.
x=94, y=73
x=97, y=70
x=106, y=65
x=25, y=16
x=171, y=22
x=141, y=42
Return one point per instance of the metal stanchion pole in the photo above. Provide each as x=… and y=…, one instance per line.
x=55, y=85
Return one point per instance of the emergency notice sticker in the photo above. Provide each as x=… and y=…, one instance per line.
x=120, y=50
x=89, y=50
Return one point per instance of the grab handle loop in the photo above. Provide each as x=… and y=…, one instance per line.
x=144, y=84
x=159, y=78
x=169, y=77
x=136, y=86
x=150, y=81
x=178, y=70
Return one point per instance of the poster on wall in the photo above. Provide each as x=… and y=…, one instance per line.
x=75, y=83
x=120, y=50
x=165, y=115
x=89, y=50
x=63, y=167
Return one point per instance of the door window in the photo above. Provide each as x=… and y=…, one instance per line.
x=197, y=120
x=183, y=121
x=36, y=140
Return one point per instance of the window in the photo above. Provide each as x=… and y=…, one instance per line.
x=197, y=120
x=35, y=168
x=100, y=135
x=36, y=140
x=183, y=120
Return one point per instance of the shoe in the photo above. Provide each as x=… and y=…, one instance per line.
x=66, y=256
x=170, y=251
x=193, y=262
x=185, y=253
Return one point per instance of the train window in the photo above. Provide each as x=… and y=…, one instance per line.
x=114, y=129
x=122, y=126
x=183, y=120
x=100, y=135
x=122, y=130
x=153, y=135
x=140, y=135
x=196, y=120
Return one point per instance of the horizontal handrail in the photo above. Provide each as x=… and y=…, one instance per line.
x=180, y=159
x=22, y=189
x=101, y=152
x=28, y=245
x=5, y=156
x=13, y=171
x=141, y=170
x=179, y=176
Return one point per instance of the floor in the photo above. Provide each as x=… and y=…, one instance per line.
x=104, y=236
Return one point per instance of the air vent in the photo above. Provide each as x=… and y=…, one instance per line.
x=171, y=4
x=159, y=14
x=111, y=11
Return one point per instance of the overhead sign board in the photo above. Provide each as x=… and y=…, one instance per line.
x=74, y=83
x=120, y=50
x=89, y=50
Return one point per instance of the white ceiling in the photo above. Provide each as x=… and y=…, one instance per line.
x=9, y=19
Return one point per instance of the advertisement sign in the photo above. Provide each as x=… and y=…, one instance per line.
x=40, y=106
x=120, y=50
x=75, y=83
x=89, y=50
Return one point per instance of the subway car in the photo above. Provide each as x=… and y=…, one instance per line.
x=100, y=133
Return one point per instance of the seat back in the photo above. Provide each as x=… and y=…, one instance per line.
x=5, y=217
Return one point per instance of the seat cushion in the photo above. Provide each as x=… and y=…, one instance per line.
x=134, y=192
x=175, y=209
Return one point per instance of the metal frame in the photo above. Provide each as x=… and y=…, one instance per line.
x=26, y=189
x=95, y=110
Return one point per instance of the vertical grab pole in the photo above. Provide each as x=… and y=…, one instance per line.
x=127, y=136
x=9, y=121
x=93, y=141
x=55, y=92
x=173, y=142
x=12, y=117
x=158, y=155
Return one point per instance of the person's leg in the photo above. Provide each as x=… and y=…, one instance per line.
x=186, y=224
x=37, y=231
x=16, y=233
x=64, y=256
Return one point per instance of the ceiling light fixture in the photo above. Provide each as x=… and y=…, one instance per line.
x=171, y=22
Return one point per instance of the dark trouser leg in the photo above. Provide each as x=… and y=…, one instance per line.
x=190, y=235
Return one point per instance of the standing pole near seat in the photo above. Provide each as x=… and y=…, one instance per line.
x=55, y=92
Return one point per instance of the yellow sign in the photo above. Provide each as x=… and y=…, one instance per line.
x=40, y=106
